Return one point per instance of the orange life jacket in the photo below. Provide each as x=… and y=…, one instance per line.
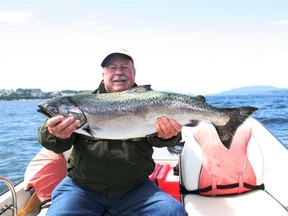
x=224, y=171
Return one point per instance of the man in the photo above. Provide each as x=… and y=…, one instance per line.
x=110, y=176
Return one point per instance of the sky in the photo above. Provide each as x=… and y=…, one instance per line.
x=189, y=46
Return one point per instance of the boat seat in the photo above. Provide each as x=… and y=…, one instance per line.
x=255, y=202
x=32, y=206
x=43, y=174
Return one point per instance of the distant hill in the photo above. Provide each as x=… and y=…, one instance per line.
x=255, y=90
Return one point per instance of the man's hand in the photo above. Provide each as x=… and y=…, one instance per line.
x=167, y=128
x=60, y=127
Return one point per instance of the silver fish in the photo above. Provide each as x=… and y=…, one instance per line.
x=132, y=113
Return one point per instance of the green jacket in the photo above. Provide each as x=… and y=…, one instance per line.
x=110, y=168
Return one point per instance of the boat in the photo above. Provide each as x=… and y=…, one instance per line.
x=175, y=171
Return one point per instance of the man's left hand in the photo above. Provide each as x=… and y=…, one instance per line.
x=167, y=128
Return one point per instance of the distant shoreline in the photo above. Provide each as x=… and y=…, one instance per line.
x=37, y=94
x=254, y=90
x=33, y=94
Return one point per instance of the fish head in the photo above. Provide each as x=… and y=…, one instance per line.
x=62, y=107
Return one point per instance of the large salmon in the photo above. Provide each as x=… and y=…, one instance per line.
x=132, y=113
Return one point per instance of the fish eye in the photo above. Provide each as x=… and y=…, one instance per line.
x=53, y=110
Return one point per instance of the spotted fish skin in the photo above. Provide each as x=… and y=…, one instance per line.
x=132, y=113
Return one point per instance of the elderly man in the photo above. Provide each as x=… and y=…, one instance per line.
x=110, y=177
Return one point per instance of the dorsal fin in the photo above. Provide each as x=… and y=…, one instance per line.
x=201, y=97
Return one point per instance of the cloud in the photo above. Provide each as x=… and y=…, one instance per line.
x=281, y=23
x=92, y=20
x=16, y=18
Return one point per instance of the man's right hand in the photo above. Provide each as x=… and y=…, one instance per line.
x=61, y=127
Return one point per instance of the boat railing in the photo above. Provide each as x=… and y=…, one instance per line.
x=13, y=207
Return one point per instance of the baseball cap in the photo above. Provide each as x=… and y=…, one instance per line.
x=118, y=51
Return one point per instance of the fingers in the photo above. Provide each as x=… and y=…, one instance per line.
x=62, y=128
x=167, y=128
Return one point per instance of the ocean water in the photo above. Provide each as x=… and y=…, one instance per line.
x=20, y=121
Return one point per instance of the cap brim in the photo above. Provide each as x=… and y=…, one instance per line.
x=122, y=52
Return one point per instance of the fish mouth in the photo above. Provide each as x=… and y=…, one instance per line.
x=46, y=112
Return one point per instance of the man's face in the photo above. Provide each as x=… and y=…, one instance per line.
x=118, y=74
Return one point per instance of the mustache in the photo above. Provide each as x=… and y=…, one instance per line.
x=119, y=78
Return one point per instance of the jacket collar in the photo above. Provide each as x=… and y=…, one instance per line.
x=101, y=89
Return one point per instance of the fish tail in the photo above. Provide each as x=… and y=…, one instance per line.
x=237, y=117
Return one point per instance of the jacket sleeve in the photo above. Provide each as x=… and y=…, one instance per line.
x=53, y=143
x=159, y=142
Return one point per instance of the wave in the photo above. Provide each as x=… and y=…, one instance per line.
x=278, y=121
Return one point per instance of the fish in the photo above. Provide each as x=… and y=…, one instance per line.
x=132, y=113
